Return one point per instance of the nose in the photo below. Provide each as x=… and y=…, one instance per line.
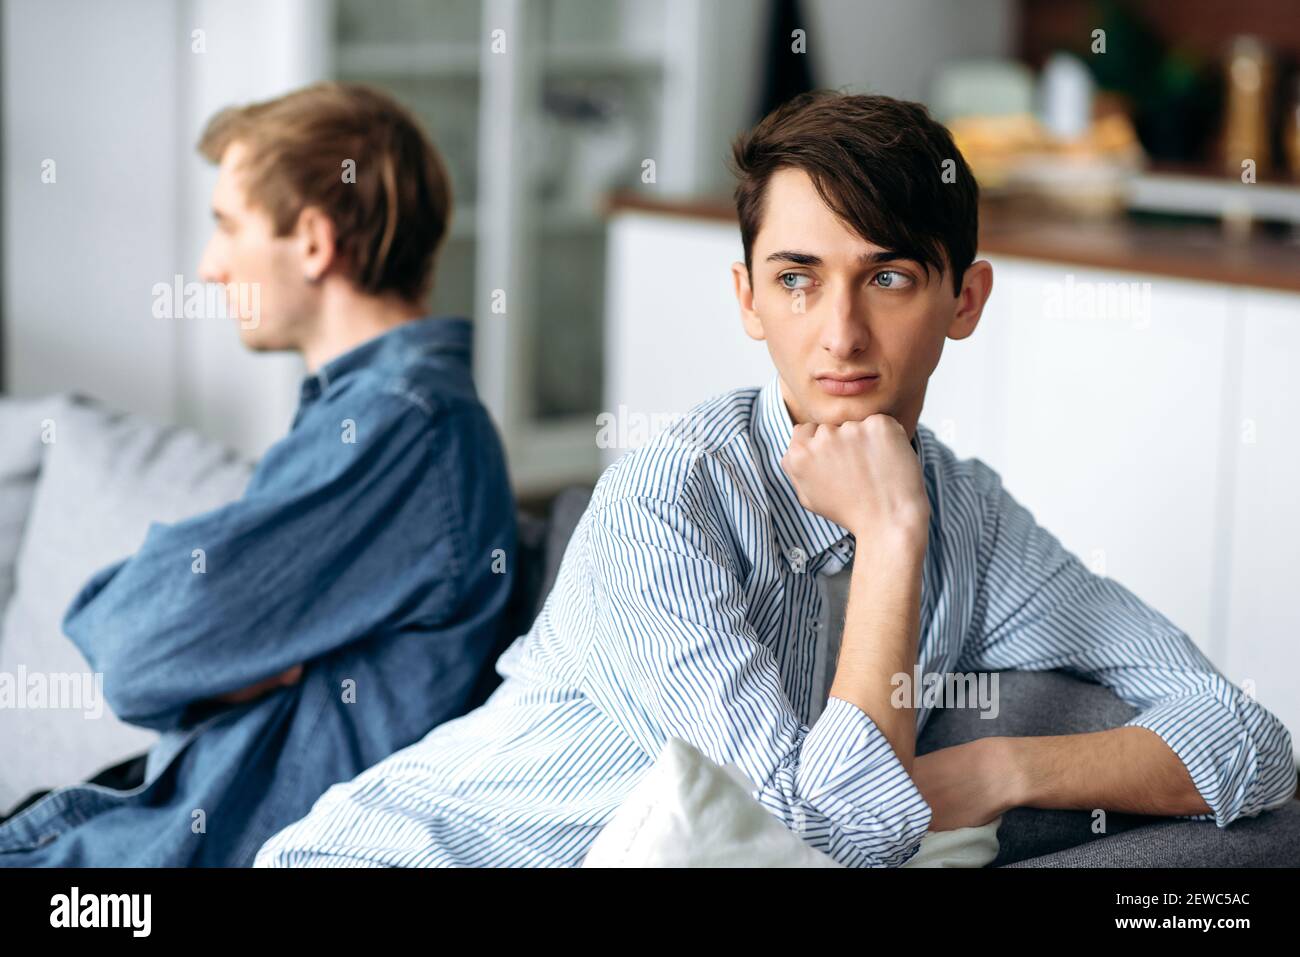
x=211, y=268
x=844, y=331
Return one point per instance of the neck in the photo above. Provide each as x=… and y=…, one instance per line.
x=348, y=319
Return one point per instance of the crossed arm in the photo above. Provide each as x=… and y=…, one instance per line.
x=281, y=581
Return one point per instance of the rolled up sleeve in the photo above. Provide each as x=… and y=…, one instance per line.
x=1039, y=608
x=1238, y=754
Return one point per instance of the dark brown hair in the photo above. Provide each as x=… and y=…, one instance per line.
x=390, y=222
x=878, y=163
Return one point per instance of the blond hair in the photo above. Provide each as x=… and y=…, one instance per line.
x=389, y=220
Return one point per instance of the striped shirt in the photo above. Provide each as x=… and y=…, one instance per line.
x=685, y=606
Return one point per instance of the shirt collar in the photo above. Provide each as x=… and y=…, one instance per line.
x=801, y=533
x=431, y=335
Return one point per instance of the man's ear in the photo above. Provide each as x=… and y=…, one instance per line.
x=745, y=297
x=976, y=285
x=314, y=238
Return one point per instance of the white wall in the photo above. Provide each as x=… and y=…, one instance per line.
x=254, y=50
x=82, y=253
x=115, y=95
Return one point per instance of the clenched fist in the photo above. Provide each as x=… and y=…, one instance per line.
x=862, y=475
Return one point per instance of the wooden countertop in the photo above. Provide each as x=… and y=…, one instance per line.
x=1192, y=251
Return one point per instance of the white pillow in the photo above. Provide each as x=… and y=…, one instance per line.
x=103, y=480
x=689, y=812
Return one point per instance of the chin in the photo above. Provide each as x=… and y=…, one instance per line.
x=257, y=340
x=832, y=410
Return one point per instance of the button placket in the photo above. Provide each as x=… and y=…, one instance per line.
x=817, y=628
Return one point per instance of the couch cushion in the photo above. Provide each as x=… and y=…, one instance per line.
x=688, y=811
x=104, y=479
x=21, y=422
x=542, y=542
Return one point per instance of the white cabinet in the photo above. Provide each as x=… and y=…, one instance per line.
x=673, y=335
x=1100, y=402
x=1263, y=615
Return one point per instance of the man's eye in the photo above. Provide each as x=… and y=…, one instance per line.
x=891, y=279
x=791, y=280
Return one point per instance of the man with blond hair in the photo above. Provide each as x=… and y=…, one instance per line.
x=354, y=594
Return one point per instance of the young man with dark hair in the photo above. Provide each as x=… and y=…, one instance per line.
x=699, y=595
x=352, y=597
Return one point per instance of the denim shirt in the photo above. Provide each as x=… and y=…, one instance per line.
x=373, y=545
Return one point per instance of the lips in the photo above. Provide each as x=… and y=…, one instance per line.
x=847, y=384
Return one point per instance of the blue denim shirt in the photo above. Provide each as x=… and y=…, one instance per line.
x=373, y=545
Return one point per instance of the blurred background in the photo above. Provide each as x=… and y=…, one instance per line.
x=1133, y=377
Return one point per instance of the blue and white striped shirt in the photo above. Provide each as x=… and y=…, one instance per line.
x=684, y=607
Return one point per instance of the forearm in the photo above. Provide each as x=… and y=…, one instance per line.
x=1125, y=769
x=881, y=629
x=166, y=635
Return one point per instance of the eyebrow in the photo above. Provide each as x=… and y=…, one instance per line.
x=808, y=259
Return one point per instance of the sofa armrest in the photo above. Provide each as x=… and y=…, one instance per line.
x=1037, y=703
x=1050, y=703
x=1270, y=839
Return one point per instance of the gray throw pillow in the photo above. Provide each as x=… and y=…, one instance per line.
x=104, y=478
x=20, y=463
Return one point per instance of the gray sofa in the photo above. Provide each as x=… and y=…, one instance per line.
x=1031, y=703
x=79, y=485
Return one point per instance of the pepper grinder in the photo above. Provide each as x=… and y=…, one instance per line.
x=1245, y=135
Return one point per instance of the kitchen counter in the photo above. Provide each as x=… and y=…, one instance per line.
x=1194, y=251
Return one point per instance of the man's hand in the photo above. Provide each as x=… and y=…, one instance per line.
x=863, y=476
x=967, y=785
x=284, y=679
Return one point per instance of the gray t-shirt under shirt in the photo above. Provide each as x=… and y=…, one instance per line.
x=829, y=630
